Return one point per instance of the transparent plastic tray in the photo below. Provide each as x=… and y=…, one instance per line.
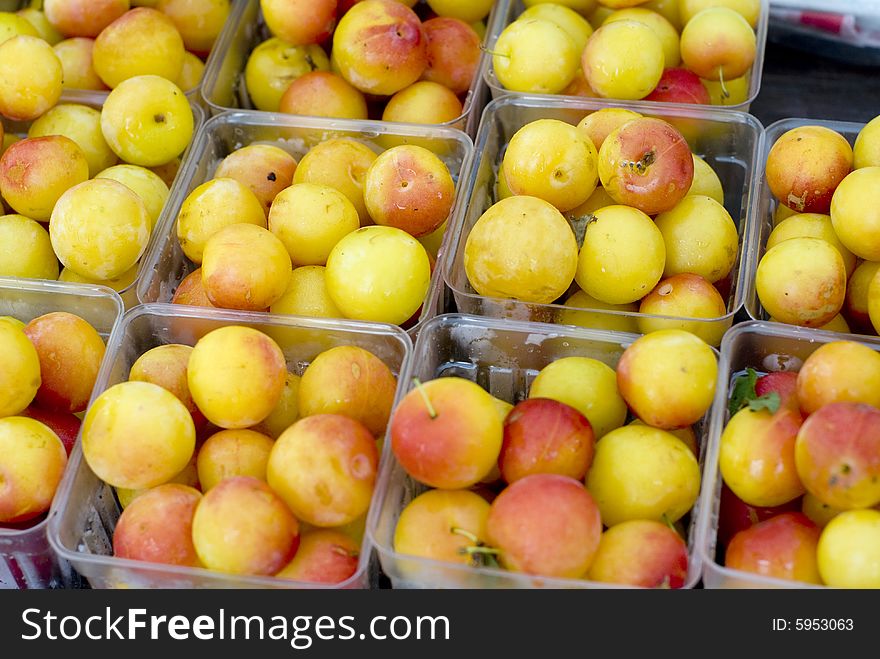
x=84, y=95
x=166, y=265
x=727, y=140
x=766, y=203
x=223, y=86
x=85, y=512
x=508, y=10
x=503, y=357
x=26, y=559
x=96, y=101
x=764, y=347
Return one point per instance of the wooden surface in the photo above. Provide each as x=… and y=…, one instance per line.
x=801, y=84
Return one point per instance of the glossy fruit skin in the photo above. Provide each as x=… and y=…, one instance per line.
x=849, y=550
x=380, y=274
x=521, y=248
x=567, y=526
x=813, y=297
x=806, y=165
x=518, y=69
x=668, y=378
x=28, y=92
x=425, y=526
x=837, y=454
x=161, y=107
x=855, y=215
x=641, y=553
x=783, y=547
x=620, y=235
x=836, y=372
x=551, y=160
x=757, y=457
x=646, y=163
x=545, y=436
x=623, y=60
x=628, y=484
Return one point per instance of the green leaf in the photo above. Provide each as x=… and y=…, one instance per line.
x=743, y=391
x=769, y=401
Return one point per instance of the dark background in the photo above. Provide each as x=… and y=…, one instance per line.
x=815, y=82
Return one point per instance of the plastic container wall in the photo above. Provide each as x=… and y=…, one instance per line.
x=224, y=88
x=507, y=11
x=96, y=101
x=194, y=94
x=764, y=347
x=766, y=203
x=728, y=141
x=166, y=265
x=86, y=509
x=26, y=559
x=503, y=357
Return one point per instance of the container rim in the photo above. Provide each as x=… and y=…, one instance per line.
x=756, y=72
x=707, y=523
x=710, y=113
x=550, y=330
x=42, y=286
x=763, y=196
x=77, y=462
x=163, y=232
x=226, y=39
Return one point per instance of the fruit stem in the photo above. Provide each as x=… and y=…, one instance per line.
x=724, y=92
x=466, y=534
x=668, y=523
x=490, y=551
x=427, y=400
x=494, y=53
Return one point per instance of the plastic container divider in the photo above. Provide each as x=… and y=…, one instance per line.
x=503, y=357
x=728, y=141
x=166, y=265
x=509, y=10
x=26, y=559
x=86, y=510
x=223, y=86
x=764, y=347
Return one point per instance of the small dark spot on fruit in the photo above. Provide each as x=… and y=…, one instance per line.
x=845, y=469
x=272, y=176
x=159, y=118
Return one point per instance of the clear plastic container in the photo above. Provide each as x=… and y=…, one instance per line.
x=26, y=559
x=223, y=87
x=766, y=203
x=83, y=95
x=764, y=347
x=728, y=141
x=85, y=512
x=96, y=101
x=166, y=265
x=508, y=11
x=503, y=357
